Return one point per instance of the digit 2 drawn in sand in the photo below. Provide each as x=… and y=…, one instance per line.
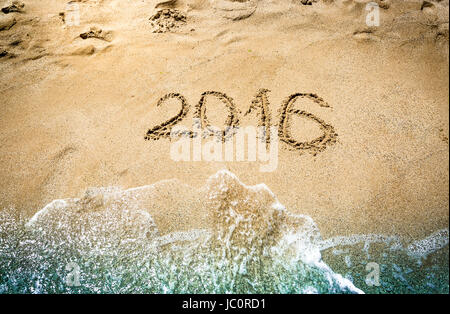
x=163, y=129
x=261, y=103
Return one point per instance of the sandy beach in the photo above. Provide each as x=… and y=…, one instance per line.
x=78, y=98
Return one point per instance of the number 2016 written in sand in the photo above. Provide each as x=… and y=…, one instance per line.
x=260, y=103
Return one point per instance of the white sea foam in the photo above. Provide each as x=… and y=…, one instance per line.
x=432, y=243
x=367, y=239
x=251, y=234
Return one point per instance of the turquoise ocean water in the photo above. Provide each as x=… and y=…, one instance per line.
x=254, y=245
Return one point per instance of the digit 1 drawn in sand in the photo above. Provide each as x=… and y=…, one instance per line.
x=163, y=129
x=319, y=144
x=261, y=102
x=231, y=122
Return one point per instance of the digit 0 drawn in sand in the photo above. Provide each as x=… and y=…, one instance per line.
x=231, y=122
x=163, y=129
x=261, y=102
x=317, y=145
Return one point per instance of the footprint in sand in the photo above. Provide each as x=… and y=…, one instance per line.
x=14, y=7
x=365, y=35
x=3, y=53
x=98, y=33
x=443, y=136
x=307, y=2
x=6, y=22
x=166, y=20
x=235, y=9
x=84, y=51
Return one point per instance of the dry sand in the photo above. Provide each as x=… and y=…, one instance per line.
x=75, y=109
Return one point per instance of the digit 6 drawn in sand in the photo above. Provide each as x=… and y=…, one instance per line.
x=316, y=145
x=163, y=129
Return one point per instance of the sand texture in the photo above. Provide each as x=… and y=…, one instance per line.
x=364, y=148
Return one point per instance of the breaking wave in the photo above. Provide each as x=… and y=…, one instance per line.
x=107, y=242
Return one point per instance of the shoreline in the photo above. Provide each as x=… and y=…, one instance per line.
x=75, y=111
